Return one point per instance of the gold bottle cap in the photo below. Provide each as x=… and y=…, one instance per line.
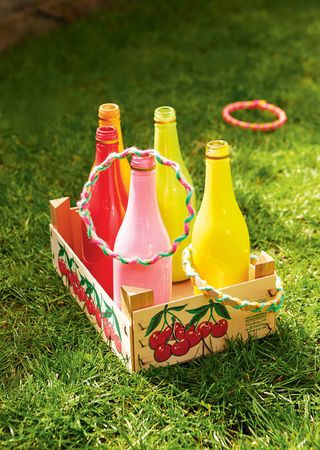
x=217, y=149
x=164, y=114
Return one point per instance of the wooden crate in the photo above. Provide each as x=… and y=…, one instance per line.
x=134, y=331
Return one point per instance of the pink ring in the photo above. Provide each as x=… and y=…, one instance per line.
x=254, y=104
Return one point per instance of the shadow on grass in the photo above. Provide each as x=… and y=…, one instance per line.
x=251, y=382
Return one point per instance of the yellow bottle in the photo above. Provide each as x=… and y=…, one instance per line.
x=220, y=239
x=171, y=194
x=109, y=114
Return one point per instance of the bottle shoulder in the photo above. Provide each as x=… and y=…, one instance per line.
x=142, y=236
x=214, y=223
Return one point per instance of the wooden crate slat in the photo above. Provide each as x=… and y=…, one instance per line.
x=76, y=228
x=60, y=218
x=264, y=266
x=242, y=323
x=253, y=290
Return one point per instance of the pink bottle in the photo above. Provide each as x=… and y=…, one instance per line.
x=106, y=211
x=143, y=234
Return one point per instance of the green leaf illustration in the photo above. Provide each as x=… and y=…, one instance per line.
x=61, y=252
x=104, y=305
x=154, y=322
x=176, y=308
x=117, y=325
x=198, y=310
x=89, y=288
x=96, y=296
x=69, y=260
x=196, y=318
x=110, y=310
x=107, y=314
x=221, y=310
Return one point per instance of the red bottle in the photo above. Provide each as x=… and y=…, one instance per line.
x=106, y=210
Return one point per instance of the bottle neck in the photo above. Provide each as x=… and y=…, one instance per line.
x=109, y=121
x=166, y=140
x=218, y=183
x=142, y=194
x=103, y=150
x=105, y=191
x=114, y=122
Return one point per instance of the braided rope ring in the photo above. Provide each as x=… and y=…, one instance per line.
x=84, y=212
x=273, y=304
x=254, y=104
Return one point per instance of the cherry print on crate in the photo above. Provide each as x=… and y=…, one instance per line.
x=213, y=327
x=175, y=338
x=159, y=340
x=107, y=320
x=86, y=292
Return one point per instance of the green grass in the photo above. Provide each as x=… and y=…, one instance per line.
x=60, y=386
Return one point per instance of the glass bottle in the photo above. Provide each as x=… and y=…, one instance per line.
x=171, y=194
x=220, y=239
x=106, y=211
x=109, y=115
x=143, y=234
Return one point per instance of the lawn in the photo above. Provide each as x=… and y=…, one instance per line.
x=60, y=386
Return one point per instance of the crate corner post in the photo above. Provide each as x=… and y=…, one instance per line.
x=134, y=299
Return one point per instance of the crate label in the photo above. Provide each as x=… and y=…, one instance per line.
x=257, y=324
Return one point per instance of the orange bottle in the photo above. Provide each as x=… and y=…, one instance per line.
x=109, y=115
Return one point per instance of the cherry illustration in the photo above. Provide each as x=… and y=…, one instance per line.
x=162, y=352
x=159, y=338
x=82, y=294
x=76, y=288
x=155, y=340
x=98, y=317
x=62, y=267
x=220, y=328
x=205, y=329
x=118, y=343
x=68, y=274
x=107, y=328
x=73, y=278
x=181, y=347
x=179, y=331
x=90, y=306
x=166, y=333
x=193, y=336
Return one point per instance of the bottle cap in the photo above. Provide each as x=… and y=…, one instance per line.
x=164, y=114
x=106, y=134
x=142, y=162
x=109, y=111
x=217, y=149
